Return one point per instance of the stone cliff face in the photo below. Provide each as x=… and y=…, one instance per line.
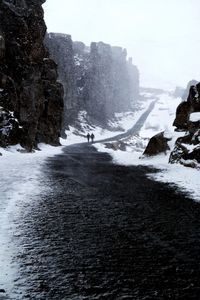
x=99, y=78
x=61, y=48
x=31, y=100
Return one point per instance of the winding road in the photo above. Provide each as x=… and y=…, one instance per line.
x=102, y=231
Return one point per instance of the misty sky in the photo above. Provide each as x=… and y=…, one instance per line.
x=162, y=36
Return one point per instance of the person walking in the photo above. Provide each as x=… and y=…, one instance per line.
x=92, y=137
x=88, y=137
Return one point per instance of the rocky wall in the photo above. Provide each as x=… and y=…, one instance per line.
x=31, y=99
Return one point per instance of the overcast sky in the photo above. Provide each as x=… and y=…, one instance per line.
x=162, y=36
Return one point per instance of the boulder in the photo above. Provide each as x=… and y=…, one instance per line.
x=157, y=144
x=189, y=163
x=182, y=116
x=118, y=145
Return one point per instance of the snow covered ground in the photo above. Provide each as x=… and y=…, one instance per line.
x=20, y=180
x=20, y=172
x=20, y=177
x=160, y=119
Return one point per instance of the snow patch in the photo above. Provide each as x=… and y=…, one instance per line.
x=20, y=177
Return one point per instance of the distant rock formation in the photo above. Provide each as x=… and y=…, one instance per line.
x=98, y=79
x=61, y=49
x=31, y=99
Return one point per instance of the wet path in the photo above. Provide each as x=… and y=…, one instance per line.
x=103, y=231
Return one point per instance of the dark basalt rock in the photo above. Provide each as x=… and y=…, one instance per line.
x=187, y=107
x=182, y=116
x=179, y=150
x=193, y=155
x=183, y=152
x=157, y=144
x=28, y=77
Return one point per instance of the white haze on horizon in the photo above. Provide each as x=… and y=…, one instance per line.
x=161, y=36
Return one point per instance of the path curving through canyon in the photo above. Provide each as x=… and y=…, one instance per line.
x=103, y=231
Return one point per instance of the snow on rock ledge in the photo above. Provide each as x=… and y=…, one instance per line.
x=195, y=117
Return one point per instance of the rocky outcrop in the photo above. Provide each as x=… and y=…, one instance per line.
x=99, y=78
x=182, y=115
x=192, y=104
x=157, y=144
x=31, y=99
x=187, y=148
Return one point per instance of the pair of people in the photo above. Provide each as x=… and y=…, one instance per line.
x=90, y=137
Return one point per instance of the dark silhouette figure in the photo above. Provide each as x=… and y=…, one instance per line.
x=92, y=137
x=88, y=137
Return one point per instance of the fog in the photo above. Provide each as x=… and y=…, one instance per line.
x=161, y=36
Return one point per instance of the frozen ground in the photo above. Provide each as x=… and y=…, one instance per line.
x=161, y=119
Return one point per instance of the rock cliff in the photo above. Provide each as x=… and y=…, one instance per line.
x=61, y=48
x=31, y=99
x=98, y=79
